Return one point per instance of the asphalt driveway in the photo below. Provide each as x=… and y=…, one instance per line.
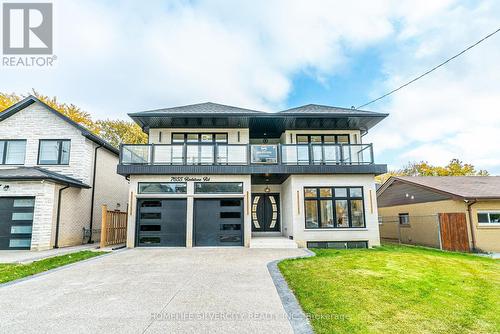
x=199, y=290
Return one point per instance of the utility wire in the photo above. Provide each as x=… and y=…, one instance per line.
x=431, y=70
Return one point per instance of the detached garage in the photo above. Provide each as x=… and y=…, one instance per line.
x=16, y=222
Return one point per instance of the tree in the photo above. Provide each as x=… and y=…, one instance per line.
x=454, y=168
x=113, y=131
x=118, y=131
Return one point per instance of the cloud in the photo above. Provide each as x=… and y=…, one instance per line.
x=114, y=59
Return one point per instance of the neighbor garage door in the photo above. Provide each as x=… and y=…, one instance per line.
x=16, y=221
x=218, y=222
x=161, y=222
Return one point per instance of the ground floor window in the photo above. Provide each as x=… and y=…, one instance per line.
x=337, y=244
x=218, y=187
x=488, y=217
x=334, y=207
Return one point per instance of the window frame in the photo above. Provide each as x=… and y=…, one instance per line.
x=318, y=198
x=219, y=182
x=3, y=158
x=404, y=215
x=323, y=135
x=489, y=223
x=59, y=153
x=161, y=193
x=199, y=134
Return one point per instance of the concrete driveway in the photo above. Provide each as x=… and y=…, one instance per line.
x=198, y=290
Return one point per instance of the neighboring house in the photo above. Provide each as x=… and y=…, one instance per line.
x=466, y=211
x=54, y=177
x=216, y=175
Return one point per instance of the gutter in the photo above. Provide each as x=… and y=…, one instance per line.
x=471, y=223
x=58, y=219
x=92, y=200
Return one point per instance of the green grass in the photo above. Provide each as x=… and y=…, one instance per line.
x=10, y=272
x=397, y=289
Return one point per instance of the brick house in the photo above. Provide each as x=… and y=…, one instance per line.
x=54, y=176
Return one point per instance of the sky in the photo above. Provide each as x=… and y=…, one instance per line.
x=116, y=57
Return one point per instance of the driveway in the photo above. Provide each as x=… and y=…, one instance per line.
x=198, y=290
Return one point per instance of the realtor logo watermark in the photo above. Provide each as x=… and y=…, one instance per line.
x=27, y=38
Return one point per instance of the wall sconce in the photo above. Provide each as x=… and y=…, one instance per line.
x=267, y=189
x=6, y=187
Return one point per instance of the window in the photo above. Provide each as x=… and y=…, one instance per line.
x=323, y=139
x=334, y=207
x=337, y=244
x=199, y=137
x=162, y=188
x=404, y=219
x=488, y=217
x=54, y=152
x=12, y=152
x=230, y=214
x=218, y=187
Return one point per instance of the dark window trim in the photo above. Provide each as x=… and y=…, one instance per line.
x=160, y=193
x=401, y=215
x=220, y=182
x=322, y=135
x=199, y=137
x=3, y=158
x=59, y=154
x=318, y=199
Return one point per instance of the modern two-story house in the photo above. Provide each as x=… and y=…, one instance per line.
x=216, y=175
x=54, y=177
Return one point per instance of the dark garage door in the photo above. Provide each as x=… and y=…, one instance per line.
x=161, y=222
x=218, y=222
x=16, y=221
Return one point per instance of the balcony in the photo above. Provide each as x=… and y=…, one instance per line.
x=245, y=155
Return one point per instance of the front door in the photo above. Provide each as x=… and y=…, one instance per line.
x=265, y=212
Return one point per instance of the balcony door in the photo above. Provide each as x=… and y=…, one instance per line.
x=322, y=148
x=199, y=147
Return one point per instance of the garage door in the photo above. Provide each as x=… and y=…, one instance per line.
x=161, y=222
x=16, y=221
x=218, y=222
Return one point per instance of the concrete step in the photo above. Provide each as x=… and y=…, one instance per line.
x=272, y=242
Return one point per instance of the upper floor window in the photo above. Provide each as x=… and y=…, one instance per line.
x=323, y=139
x=54, y=152
x=199, y=138
x=12, y=152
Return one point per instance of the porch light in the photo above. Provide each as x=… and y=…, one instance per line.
x=267, y=189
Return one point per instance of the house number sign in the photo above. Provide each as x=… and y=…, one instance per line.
x=189, y=178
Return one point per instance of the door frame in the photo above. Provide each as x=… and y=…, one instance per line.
x=279, y=211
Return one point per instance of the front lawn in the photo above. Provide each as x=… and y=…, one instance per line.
x=10, y=272
x=397, y=289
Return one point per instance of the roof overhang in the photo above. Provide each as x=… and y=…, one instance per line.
x=261, y=125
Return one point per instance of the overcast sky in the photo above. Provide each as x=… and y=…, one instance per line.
x=272, y=55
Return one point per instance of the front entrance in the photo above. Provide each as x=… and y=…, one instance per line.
x=266, y=212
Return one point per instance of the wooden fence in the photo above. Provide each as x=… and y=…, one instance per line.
x=113, y=227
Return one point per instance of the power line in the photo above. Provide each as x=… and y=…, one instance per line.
x=431, y=70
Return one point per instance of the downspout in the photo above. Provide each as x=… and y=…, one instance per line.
x=93, y=194
x=58, y=219
x=471, y=223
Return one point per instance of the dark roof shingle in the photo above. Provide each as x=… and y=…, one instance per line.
x=462, y=186
x=37, y=173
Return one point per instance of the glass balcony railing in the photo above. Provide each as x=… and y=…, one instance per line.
x=229, y=154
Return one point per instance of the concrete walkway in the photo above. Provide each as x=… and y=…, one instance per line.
x=199, y=290
x=26, y=256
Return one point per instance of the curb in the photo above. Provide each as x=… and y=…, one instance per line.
x=298, y=319
x=66, y=266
